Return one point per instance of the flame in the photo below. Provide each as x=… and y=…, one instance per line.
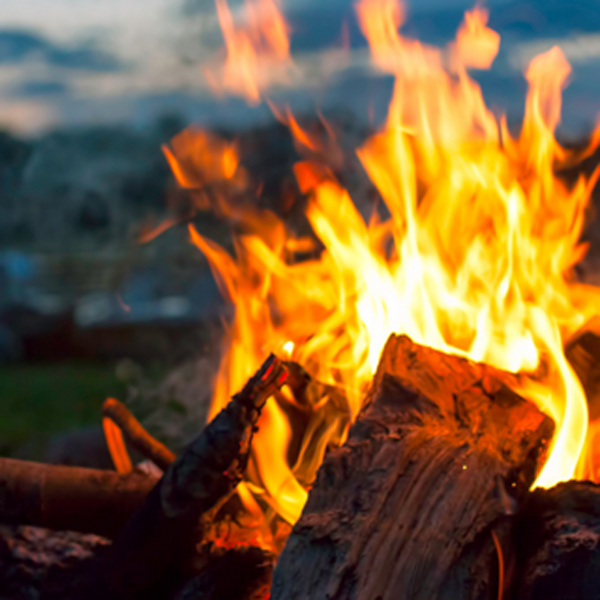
x=253, y=50
x=474, y=258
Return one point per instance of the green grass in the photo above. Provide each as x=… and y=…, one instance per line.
x=37, y=401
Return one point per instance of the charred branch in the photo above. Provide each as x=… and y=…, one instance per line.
x=155, y=549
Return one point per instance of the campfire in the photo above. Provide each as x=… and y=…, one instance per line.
x=402, y=406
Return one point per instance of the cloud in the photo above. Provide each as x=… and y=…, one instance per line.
x=39, y=88
x=18, y=46
x=578, y=49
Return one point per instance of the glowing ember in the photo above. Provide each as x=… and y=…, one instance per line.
x=475, y=258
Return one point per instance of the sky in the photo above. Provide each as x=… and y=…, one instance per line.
x=73, y=62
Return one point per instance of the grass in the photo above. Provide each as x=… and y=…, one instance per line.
x=40, y=400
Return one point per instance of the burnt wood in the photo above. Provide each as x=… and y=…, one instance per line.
x=441, y=457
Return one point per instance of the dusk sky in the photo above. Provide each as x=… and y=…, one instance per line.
x=83, y=61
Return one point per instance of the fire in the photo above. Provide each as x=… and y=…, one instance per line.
x=254, y=50
x=474, y=258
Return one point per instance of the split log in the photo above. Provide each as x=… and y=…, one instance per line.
x=151, y=557
x=70, y=498
x=435, y=465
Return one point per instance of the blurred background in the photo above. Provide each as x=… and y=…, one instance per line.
x=89, y=91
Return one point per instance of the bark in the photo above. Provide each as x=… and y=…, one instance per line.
x=70, y=498
x=436, y=464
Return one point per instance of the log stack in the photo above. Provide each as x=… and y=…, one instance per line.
x=428, y=498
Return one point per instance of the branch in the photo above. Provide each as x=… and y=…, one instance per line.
x=118, y=414
x=70, y=498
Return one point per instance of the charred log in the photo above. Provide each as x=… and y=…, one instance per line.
x=70, y=498
x=152, y=556
x=434, y=468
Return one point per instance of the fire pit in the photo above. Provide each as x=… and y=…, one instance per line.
x=402, y=409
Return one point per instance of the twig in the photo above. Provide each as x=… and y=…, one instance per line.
x=137, y=436
x=116, y=446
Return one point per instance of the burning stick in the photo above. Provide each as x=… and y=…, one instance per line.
x=117, y=414
x=155, y=547
x=71, y=498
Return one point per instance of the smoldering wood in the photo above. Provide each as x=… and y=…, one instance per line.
x=442, y=455
x=557, y=544
x=152, y=557
x=70, y=498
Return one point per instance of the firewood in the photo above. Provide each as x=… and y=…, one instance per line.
x=557, y=544
x=439, y=459
x=150, y=558
x=70, y=498
x=117, y=414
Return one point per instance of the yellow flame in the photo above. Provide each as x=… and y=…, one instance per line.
x=474, y=259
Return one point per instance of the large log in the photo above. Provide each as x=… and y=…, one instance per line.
x=436, y=464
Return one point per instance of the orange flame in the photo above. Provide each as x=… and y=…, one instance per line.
x=475, y=258
x=252, y=50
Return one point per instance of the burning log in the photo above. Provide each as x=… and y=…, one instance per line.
x=70, y=498
x=433, y=469
x=157, y=546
